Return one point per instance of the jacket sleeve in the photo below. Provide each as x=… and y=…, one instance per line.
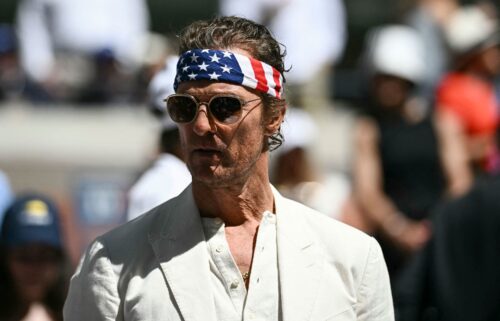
x=374, y=292
x=93, y=291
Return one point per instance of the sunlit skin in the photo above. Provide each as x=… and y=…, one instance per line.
x=218, y=155
x=229, y=164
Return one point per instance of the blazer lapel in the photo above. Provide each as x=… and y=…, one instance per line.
x=179, y=244
x=300, y=262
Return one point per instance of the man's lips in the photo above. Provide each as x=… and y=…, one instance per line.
x=204, y=151
x=213, y=147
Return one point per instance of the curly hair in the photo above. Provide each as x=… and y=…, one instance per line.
x=236, y=32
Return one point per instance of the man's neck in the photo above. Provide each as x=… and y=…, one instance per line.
x=236, y=204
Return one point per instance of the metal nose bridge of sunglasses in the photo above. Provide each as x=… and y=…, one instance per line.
x=236, y=116
x=208, y=114
x=222, y=109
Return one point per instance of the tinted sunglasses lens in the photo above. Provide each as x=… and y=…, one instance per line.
x=227, y=110
x=181, y=109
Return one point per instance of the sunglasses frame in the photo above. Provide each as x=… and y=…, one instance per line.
x=209, y=110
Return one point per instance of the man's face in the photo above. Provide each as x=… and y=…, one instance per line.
x=217, y=154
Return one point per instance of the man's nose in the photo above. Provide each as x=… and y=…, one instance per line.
x=203, y=123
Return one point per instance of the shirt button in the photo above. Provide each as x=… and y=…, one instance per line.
x=218, y=249
x=235, y=284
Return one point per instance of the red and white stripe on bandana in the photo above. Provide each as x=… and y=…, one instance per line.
x=219, y=65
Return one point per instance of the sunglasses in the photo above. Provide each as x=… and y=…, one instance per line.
x=225, y=109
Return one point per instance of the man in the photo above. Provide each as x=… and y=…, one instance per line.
x=230, y=247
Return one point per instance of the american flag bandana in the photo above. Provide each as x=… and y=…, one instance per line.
x=230, y=67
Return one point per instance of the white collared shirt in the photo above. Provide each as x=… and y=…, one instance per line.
x=231, y=299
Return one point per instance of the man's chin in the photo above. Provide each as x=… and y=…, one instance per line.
x=212, y=176
x=204, y=173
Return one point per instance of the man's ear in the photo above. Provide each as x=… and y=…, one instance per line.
x=274, y=123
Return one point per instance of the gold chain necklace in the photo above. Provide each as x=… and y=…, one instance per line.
x=245, y=276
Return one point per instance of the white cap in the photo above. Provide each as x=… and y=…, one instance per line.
x=160, y=87
x=396, y=50
x=299, y=130
x=468, y=29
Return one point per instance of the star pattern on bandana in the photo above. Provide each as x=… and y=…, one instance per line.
x=208, y=64
x=214, y=76
x=222, y=65
x=215, y=58
x=203, y=66
x=194, y=57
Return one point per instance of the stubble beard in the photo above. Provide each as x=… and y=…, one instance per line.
x=226, y=172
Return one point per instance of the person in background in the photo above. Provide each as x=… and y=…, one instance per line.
x=456, y=276
x=159, y=48
x=6, y=195
x=466, y=97
x=428, y=18
x=168, y=176
x=295, y=173
x=11, y=76
x=33, y=264
x=230, y=247
x=67, y=48
x=313, y=46
x=405, y=160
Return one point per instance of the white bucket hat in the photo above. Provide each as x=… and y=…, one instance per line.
x=471, y=30
x=396, y=50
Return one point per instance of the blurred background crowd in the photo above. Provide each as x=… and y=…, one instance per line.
x=392, y=127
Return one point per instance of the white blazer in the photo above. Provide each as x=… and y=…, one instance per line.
x=157, y=268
